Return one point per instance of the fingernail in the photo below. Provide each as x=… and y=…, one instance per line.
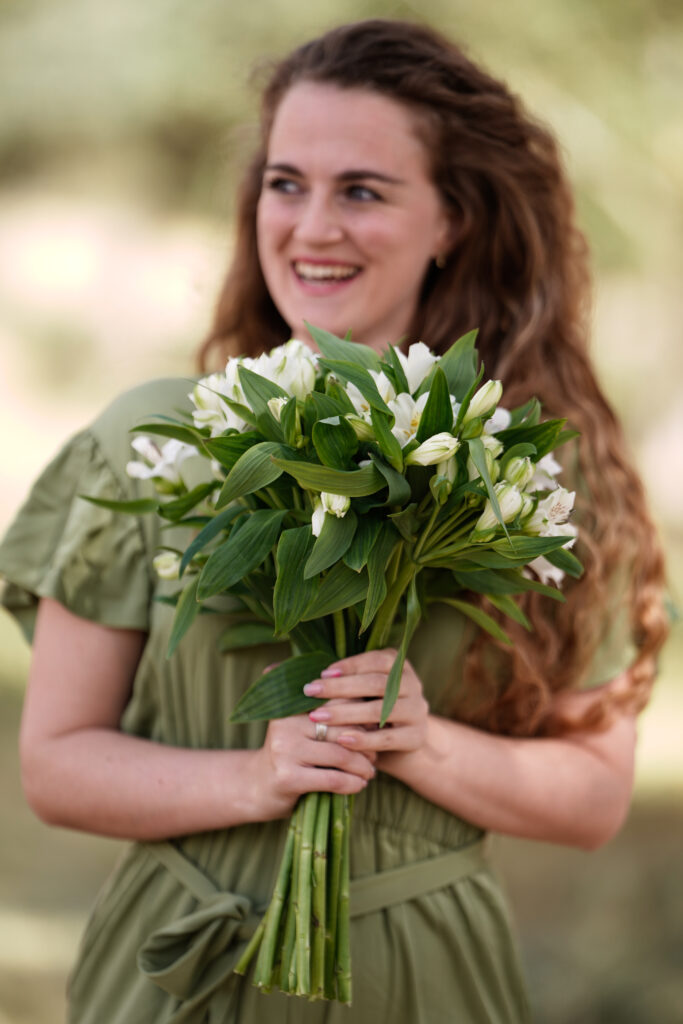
x=313, y=689
x=348, y=738
x=319, y=715
x=330, y=673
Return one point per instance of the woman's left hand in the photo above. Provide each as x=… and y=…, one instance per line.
x=357, y=686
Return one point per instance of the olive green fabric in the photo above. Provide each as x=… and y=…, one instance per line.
x=159, y=950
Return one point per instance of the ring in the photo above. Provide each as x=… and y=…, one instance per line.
x=320, y=731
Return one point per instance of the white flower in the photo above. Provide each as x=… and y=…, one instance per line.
x=500, y=420
x=510, y=502
x=210, y=409
x=334, y=504
x=519, y=471
x=417, y=364
x=545, y=571
x=492, y=449
x=167, y=565
x=360, y=402
x=275, y=406
x=552, y=513
x=407, y=412
x=384, y=385
x=484, y=400
x=292, y=366
x=547, y=469
x=159, y=463
x=447, y=469
x=435, y=449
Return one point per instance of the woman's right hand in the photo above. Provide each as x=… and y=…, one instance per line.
x=292, y=762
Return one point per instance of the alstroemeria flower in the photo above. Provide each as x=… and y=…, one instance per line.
x=210, y=409
x=417, y=364
x=492, y=449
x=547, y=469
x=499, y=420
x=407, y=412
x=519, y=471
x=551, y=514
x=435, y=449
x=360, y=402
x=510, y=502
x=334, y=504
x=484, y=400
x=160, y=464
x=275, y=406
x=293, y=367
x=167, y=565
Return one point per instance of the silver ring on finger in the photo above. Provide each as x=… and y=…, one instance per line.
x=320, y=731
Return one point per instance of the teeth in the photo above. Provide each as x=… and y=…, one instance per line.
x=324, y=272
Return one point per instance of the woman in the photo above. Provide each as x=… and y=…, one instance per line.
x=402, y=192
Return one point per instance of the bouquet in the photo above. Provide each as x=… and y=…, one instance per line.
x=345, y=492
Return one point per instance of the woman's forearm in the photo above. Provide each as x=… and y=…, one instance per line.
x=573, y=790
x=103, y=781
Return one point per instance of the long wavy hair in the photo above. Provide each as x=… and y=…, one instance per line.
x=518, y=271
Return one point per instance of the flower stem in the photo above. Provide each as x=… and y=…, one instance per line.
x=343, y=939
x=379, y=634
x=303, y=917
x=263, y=974
x=334, y=877
x=320, y=896
x=339, y=634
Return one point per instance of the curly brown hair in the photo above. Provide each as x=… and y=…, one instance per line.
x=518, y=271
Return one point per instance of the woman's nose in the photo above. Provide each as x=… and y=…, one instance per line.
x=318, y=221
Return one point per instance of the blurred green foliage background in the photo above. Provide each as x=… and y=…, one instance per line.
x=123, y=127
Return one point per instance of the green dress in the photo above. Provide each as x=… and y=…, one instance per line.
x=430, y=934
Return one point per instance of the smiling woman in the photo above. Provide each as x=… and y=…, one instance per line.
x=398, y=190
x=349, y=219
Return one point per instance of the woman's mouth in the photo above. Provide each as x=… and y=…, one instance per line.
x=324, y=273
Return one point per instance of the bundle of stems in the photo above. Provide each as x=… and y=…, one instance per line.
x=302, y=941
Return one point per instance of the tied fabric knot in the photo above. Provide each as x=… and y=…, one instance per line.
x=194, y=955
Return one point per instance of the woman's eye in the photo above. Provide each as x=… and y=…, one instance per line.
x=287, y=186
x=362, y=193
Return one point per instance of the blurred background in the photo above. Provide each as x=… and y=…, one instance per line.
x=122, y=129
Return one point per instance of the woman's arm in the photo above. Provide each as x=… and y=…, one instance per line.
x=80, y=771
x=574, y=789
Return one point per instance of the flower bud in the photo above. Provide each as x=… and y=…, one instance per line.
x=362, y=428
x=275, y=406
x=510, y=502
x=336, y=504
x=519, y=471
x=435, y=449
x=167, y=565
x=484, y=400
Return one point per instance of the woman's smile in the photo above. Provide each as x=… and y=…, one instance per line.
x=348, y=219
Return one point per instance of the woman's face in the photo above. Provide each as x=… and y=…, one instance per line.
x=348, y=217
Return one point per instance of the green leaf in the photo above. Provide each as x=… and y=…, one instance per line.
x=481, y=618
x=253, y=470
x=187, y=610
x=529, y=413
x=397, y=368
x=134, y=508
x=359, y=376
x=246, y=634
x=211, y=530
x=176, y=509
x=228, y=448
x=335, y=392
x=335, y=442
x=333, y=347
x=407, y=522
x=279, y=693
x=258, y=391
x=334, y=541
x=293, y=593
x=353, y=484
x=566, y=561
x=518, y=451
x=504, y=581
x=243, y=551
x=394, y=678
x=459, y=364
x=437, y=415
x=399, y=488
x=465, y=404
x=178, y=431
x=544, y=436
x=527, y=547
x=505, y=604
x=339, y=589
x=365, y=536
x=389, y=445
x=377, y=573
x=289, y=422
x=478, y=456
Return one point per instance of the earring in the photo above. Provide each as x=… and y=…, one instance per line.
x=440, y=261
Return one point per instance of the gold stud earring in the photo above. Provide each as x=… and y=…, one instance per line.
x=440, y=261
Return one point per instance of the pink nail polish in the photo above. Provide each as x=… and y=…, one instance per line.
x=319, y=715
x=313, y=689
x=330, y=673
x=348, y=739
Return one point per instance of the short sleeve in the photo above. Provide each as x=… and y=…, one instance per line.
x=91, y=560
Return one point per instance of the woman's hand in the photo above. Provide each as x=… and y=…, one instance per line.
x=292, y=762
x=356, y=688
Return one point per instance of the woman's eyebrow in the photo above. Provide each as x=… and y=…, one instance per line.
x=350, y=175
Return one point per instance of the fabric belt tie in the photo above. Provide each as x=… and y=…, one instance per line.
x=195, y=954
